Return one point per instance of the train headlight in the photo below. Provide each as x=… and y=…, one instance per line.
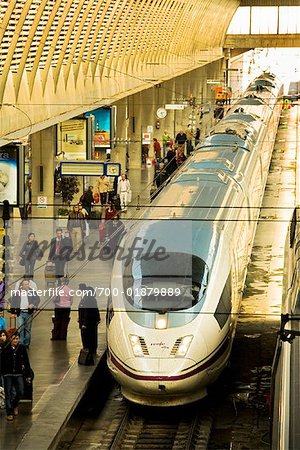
x=136, y=345
x=184, y=345
x=161, y=322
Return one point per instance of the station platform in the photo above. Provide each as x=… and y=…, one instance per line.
x=59, y=382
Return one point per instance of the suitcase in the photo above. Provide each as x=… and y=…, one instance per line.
x=12, y=326
x=50, y=272
x=85, y=357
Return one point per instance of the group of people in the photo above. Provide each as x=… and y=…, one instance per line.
x=15, y=370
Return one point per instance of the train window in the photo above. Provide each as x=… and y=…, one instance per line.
x=224, y=306
x=176, y=283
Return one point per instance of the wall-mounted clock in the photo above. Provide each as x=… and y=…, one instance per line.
x=161, y=113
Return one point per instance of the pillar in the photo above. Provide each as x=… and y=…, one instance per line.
x=43, y=144
x=135, y=131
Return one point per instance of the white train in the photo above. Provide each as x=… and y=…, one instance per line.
x=177, y=283
x=286, y=364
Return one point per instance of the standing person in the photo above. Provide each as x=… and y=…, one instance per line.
x=63, y=303
x=29, y=254
x=197, y=136
x=116, y=231
x=2, y=320
x=157, y=149
x=165, y=140
x=88, y=318
x=171, y=157
x=181, y=139
x=76, y=227
x=4, y=339
x=87, y=199
x=23, y=303
x=189, y=136
x=160, y=175
x=110, y=213
x=57, y=253
x=102, y=187
x=123, y=191
x=180, y=156
x=14, y=365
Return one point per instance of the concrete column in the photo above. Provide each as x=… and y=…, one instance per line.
x=135, y=131
x=43, y=146
x=118, y=154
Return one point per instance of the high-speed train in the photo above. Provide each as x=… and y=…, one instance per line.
x=178, y=278
x=286, y=364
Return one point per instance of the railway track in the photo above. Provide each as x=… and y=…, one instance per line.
x=153, y=428
x=121, y=425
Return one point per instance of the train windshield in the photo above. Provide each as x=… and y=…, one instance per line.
x=176, y=282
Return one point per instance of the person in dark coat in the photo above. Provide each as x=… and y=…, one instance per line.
x=172, y=164
x=87, y=200
x=116, y=231
x=181, y=138
x=60, y=251
x=88, y=318
x=14, y=366
x=29, y=253
x=197, y=136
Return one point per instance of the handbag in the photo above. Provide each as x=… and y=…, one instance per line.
x=129, y=196
x=85, y=357
x=22, y=261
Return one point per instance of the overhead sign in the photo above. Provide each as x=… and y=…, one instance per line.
x=175, y=106
x=42, y=201
x=213, y=81
x=84, y=168
x=89, y=168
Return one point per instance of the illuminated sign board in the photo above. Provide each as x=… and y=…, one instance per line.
x=72, y=139
x=9, y=174
x=102, y=127
x=89, y=168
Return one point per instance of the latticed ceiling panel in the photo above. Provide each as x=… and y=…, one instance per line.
x=50, y=43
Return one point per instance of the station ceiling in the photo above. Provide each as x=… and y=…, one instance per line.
x=59, y=58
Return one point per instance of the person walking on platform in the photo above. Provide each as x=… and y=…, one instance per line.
x=102, y=187
x=123, y=191
x=172, y=164
x=22, y=305
x=181, y=139
x=76, y=227
x=60, y=250
x=14, y=366
x=87, y=199
x=4, y=340
x=197, y=136
x=63, y=303
x=29, y=253
x=88, y=318
x=157, y=149
x=166, y=141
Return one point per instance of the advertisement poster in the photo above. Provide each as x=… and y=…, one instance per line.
x=71, y=140
x=9, y=174
x=102, y=127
